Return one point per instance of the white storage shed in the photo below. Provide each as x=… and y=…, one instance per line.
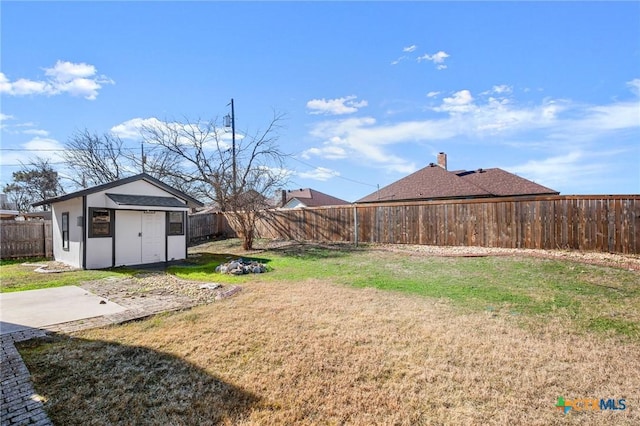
x=132, y=221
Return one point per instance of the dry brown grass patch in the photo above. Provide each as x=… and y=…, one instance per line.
x=317, y=353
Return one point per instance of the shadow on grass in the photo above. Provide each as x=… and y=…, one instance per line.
x=315, y=251
x=92, y=381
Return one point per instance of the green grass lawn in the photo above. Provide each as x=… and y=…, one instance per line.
x=14, y=276
x=359, y=336
x=591, y=297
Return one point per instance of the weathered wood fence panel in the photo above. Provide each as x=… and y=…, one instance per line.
x=586, y=222
x=206, y=226
x=26, y=239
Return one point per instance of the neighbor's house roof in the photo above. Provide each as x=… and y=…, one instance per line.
x=501, y=183
x=46, y=215
x=308, y=197
x=434, y=182
x=8, y=214
x=191, y=202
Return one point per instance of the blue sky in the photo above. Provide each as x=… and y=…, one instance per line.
x=372, y=90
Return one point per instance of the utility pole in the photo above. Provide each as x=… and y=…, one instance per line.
x=230, y=121
x=143, y=158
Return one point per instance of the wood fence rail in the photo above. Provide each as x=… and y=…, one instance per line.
x=590, y=223
x=26, y=239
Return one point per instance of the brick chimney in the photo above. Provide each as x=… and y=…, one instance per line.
x=283, y=194
x=442, y=160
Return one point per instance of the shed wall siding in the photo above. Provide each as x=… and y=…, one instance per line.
x=176, y=247
x=99, y=253
x=73, y=256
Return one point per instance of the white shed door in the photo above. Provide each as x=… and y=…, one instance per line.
x=153, y=240
x=140, y=237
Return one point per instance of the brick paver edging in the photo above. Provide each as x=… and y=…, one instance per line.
x=20, y=404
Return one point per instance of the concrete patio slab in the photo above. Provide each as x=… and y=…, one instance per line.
x=40, y=308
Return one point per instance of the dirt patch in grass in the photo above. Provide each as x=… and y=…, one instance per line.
x=156, y=285
x=314, y=352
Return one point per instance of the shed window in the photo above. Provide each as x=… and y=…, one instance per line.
x=65, y=231
x=100, y=223
x=176, y=223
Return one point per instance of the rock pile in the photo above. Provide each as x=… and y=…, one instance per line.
x=241, y=266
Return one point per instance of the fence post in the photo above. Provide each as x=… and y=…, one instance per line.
x=355, y=225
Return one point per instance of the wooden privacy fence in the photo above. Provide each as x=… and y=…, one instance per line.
x=26, y=239
x=205, y=226
x=590, y=223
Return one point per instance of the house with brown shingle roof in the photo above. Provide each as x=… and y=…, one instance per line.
x=435, y=182
x=307, y=197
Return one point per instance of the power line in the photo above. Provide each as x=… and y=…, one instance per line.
x=65, y=149
x=336, y=175
x=29, y=165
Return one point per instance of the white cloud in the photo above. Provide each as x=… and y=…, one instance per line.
x=130, y=129
x=64, y=71
x=36, y=132
x=432, y=94
x=3, y=118
x=410, y=49
x=330, y=152
x=503, y=88
x=319, y=173
x=25, y=128
x=210, y=138
x=45, y=148
x=461, y=101
x=338, y=106
x=437, y=58
x=634, y=85
x=549, y=124
x=45, y=144
x=76, y=79
x=556, y=171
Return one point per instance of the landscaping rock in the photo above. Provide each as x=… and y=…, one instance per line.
x=241, y=267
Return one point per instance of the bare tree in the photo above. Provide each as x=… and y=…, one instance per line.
x=97, y=159
x=36, y=181
x=94, y=159
x=204, y=161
